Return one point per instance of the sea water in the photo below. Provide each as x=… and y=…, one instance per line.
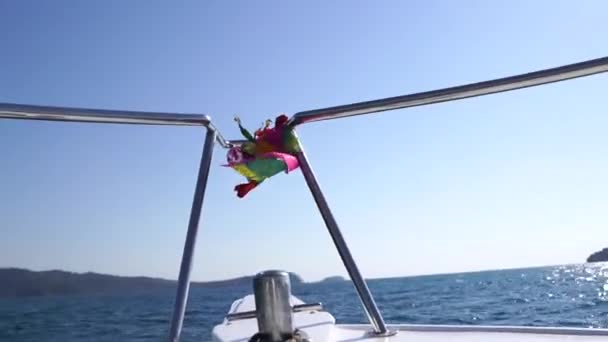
x=565, y=296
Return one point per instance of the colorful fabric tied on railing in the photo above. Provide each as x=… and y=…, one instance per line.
x=265, y=154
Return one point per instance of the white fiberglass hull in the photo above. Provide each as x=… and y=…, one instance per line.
x=320, y=326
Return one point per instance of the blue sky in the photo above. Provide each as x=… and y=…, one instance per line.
x=509, y=180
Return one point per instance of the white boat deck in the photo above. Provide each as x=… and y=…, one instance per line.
x=320, y=326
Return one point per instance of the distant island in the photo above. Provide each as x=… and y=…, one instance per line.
x=600, y=256
x=17, y=282
x=334, y=279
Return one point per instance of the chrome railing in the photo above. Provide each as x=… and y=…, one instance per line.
x=27, y=112
x=562, y=73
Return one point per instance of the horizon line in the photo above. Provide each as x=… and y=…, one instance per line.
x=346, y=278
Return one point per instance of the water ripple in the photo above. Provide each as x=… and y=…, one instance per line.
x=572, y=296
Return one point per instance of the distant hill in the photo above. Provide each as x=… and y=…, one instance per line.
x=334, y=279
x=16, y=282
x=244, y=281
x=599, y=256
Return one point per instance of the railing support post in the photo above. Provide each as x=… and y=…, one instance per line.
x=371, y=310
x=183, y=285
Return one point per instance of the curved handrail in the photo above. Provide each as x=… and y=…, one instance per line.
x=29, y=112
x=531, y=79
x=72, y=114
x=562, y=73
